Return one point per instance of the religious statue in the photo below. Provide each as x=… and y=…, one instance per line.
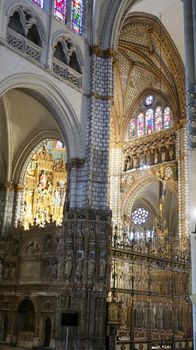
x=91, y=264
x=102, y=265
x=68, y=264
x=79, y=264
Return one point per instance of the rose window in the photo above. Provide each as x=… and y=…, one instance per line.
x=140, y=216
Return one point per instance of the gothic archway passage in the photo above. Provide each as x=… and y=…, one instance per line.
x=26, y=316
x=47, y=332
x=45, y=184
x=5, y=327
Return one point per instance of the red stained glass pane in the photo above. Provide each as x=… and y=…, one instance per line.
x=60, y=9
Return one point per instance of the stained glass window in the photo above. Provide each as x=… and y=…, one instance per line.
x=39, y=3
x=149, y=100
x=158, y=119
x=132, y=128
x=76, y=19
x=60, y=9
x=167, y=117
x=149, y=121
x=140, y=216
x=140, y=124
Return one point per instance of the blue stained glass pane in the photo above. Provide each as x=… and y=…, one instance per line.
x=149, y=121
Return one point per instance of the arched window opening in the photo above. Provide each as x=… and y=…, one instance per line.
x=45, y=184
x=40, y=3
x=34, y=36
x=15, y=24
x=158, y=119
x=140, y=124
x=60, y=9
x=59, y=53
x=77, y=16
x=27, y=25
x=167, y=117
x=150, y=120
x=73, y=62
x=26, y=316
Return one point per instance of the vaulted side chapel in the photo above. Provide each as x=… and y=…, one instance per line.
x=97, y=174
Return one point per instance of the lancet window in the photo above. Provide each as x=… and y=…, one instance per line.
x=151, y=118
x=39, y=3
x=62, y=9
x=77, y=12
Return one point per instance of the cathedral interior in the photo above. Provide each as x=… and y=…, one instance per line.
x=97, y=174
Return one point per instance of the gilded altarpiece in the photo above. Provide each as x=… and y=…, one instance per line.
x=45, y=185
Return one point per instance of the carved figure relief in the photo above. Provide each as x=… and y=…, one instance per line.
x=79, y=264
x=32, y=248
x=102, y=265
x=68, y=264
x=91, y=264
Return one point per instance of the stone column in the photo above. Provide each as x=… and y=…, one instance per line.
x=6, y=207
x=18, y=205
x=189, y=22
x=98, y=128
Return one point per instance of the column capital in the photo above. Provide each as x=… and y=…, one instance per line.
x=104, y=53
x=8, y=186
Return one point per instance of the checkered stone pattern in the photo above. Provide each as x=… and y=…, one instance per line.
x=89, y=182
x=98, y=131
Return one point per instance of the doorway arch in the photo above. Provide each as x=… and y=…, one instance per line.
x=26, y=316
x=47, y=332
x=5, y=327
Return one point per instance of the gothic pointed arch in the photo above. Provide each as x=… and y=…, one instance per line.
x=26, y=22
x=60, y=108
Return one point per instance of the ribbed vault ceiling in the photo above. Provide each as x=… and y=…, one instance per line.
x=147, y=61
